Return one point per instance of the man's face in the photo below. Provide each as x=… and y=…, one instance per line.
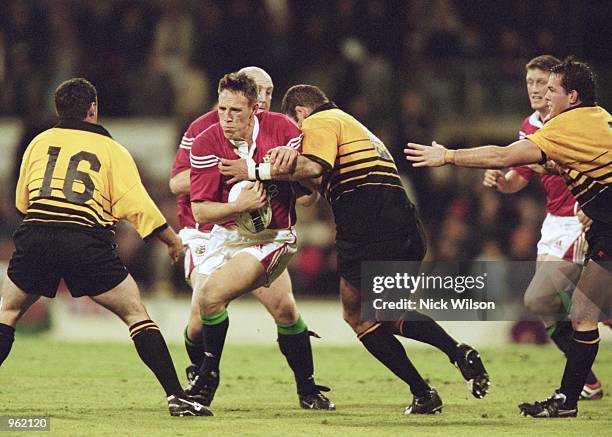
x=265, y=87
x=557, y=98
x=537, y=81
x=235, y=114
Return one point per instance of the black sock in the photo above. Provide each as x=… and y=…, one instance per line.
x=7, y=336
x=154, y=352
x=424, y=329
x=296, y=348
x=388, y=350
x=213, y=339
x=194, y=350
x=562, y=334
x=580, y=358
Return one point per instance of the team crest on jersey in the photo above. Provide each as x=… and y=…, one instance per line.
x=199, y=250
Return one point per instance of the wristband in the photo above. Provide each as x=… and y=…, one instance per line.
x=251, y=169
x=449, y=156
x=264, y=171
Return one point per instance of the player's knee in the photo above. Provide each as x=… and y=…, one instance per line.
x=538, y=304
x=9, y=316
x=211, y=302
x=133, y=312
x=285, y=314
x=353, y=319
x=584, y=325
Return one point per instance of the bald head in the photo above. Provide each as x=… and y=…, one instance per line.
x=264, y=86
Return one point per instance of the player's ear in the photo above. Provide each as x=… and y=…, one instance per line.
x=92, y=112
x=573, y=97
x=301, y=111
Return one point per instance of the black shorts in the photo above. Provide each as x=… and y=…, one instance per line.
x=409, y=247
x=599, y=237
x=88, y=262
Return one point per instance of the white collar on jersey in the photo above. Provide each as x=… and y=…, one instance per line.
x=242, y=148
x=535, y=121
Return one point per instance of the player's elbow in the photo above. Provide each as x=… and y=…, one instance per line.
x=313, y=169
x=504, y=159
x=176, y=187
x=173, y=187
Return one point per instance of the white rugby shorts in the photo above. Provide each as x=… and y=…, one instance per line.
x=563, y=237
x=273, y=248
x=196, y=242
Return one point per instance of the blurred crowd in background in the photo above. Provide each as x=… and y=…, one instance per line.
x=408, y=69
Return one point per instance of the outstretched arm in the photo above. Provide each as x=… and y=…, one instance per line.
x=518, y=153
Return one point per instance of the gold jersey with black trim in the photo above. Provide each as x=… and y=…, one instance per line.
x=76, y=175
x=361, y=180
x=580, y=141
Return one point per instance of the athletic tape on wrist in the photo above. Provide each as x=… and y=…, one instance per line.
x=251, y=169
x=265, y=171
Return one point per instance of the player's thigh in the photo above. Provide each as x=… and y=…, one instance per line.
x=351, y=254
x=14, y=302
x=278, y=299
x=237, y=276
x=553, y=275
x=592, y=298
x=124, y=301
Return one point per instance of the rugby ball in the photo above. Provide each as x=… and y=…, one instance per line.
x=254, y=221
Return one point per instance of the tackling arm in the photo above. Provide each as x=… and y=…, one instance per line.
x=518, y=153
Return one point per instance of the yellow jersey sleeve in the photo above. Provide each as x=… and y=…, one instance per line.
x=549, y=142
x=321, y=139
x=131, y=201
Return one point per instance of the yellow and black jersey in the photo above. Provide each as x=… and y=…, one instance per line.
x=75, y=174
x=580, y=141
x=361, y=181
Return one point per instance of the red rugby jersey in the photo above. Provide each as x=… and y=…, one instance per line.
x=181, y=163
x=208, y=184
x=559, y=199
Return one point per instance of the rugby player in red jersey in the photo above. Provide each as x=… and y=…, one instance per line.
x=562, y=240
x=235, y=262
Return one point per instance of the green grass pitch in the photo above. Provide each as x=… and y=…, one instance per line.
x=103, y=389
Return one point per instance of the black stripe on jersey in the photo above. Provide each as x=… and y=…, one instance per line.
x=589, y=194
x=604, y=177
x=357, y=162
x=56, y=218
x=598, y=167
x=369, y=149
x=354, y=141
x=69, y=211
x=338, y=178
x=341, y=187
x=59, y=199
